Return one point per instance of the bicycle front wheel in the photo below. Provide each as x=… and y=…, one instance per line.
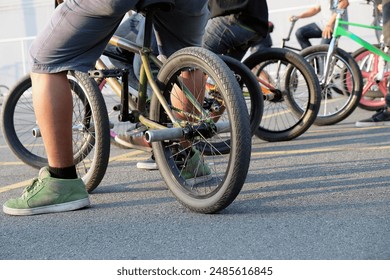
x=374, y=92
x=341, y=90
x=91, y=144
x=291, y=93
x=250, y=88
x=205, y=184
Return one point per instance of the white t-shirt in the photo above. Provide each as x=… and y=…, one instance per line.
x=328, y=7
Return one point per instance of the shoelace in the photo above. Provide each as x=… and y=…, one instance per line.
x=34, y=183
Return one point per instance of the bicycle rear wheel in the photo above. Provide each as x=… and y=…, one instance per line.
x=341, y=90
x=374, y=93
x=250, y=88
x=223, y=175
x=291, y=97
x=90, y=128
x=253, y=97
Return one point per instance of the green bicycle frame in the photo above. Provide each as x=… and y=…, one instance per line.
x=339, y=31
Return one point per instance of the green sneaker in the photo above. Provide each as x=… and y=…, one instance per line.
x=49, y=195
x=195, y=170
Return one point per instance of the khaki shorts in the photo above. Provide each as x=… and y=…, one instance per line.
x=79, y=31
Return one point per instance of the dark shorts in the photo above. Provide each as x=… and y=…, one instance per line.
x=227, y=35
x=79, y=31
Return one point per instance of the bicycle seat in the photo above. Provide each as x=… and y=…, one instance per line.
x=144, y=6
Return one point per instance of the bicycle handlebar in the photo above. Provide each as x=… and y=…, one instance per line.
x=290, y=31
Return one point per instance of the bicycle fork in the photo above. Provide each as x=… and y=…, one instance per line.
x=329, y=62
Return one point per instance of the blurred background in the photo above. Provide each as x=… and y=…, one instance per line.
x=23, y=19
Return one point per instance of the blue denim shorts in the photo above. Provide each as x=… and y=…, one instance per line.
x=79, y=31
x=226, y=35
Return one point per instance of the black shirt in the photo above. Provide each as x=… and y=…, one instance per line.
x=251, y=13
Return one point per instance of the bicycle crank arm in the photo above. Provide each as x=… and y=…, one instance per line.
x=36, y=132
x=186, y=132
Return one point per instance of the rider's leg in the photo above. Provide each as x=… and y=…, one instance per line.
x=53, y=110
x=307, y=32
x=73, y=40
x=226, y=35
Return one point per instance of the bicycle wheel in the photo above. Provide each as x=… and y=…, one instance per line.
x=341, y=90
x=292, y=94
x=226, y=173
x=374, y=92
x=250, y=88
x=253, y=98
x=90, y=128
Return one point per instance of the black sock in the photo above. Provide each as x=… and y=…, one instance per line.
x=63, y=173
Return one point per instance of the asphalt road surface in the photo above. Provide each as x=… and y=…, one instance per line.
x=324, y=195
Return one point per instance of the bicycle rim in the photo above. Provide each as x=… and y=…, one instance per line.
x=227, y=172
x=90, y=145
x=291, y=93
x=341, y=92
x=373, y=94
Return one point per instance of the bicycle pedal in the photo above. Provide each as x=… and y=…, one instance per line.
x=107, y=73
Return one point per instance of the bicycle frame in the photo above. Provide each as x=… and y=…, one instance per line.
x=138, y=108
x=284, y=40
x=339, y=31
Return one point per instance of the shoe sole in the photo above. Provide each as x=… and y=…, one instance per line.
x=147, y=166
x=363, y=124
x=63, y=207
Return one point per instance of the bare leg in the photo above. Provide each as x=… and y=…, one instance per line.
x=195, y=82
x=53, y=109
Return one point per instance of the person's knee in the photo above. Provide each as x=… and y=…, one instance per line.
x=45, y=78
x=299, y=34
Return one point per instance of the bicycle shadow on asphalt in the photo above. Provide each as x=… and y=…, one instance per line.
x=325, y=186
x=132, y=186
x=283, y=181
x=329, y=138
x=134, y=202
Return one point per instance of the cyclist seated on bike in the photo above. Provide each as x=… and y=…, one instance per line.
x=63, y=46
x=247, y=23
x=247, y=20
x=322, y=29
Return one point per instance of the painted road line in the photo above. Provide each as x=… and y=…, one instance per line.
x=15, y=186
x=5, y=163
x=131, y=156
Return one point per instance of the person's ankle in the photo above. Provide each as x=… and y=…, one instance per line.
x=63, y=172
